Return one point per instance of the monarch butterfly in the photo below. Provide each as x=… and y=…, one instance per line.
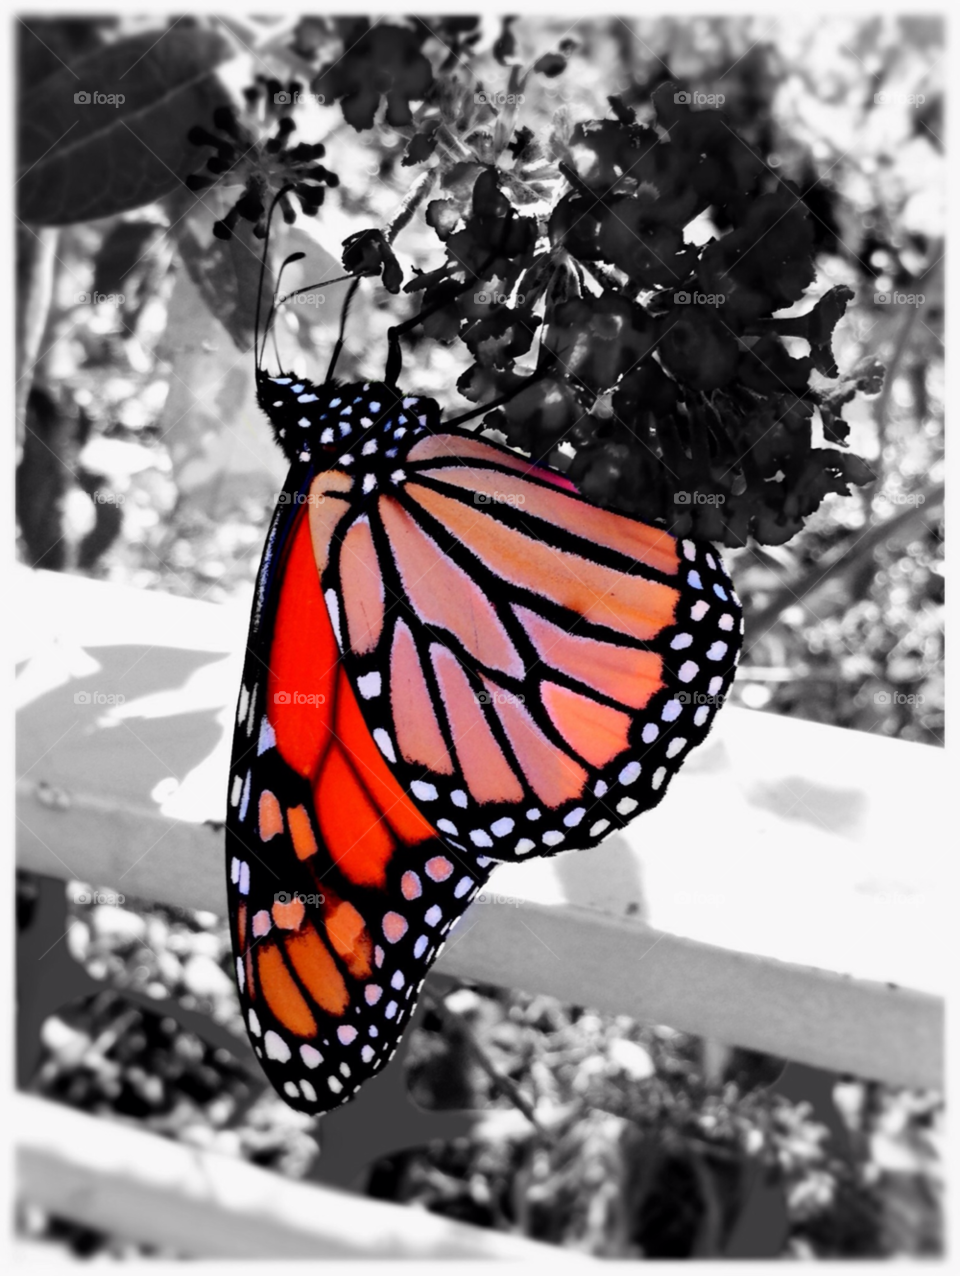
x=454, y=659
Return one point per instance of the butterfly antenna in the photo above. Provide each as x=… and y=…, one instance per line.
x=275, y=304
x=351, y=293
x=260, y=344
x=321, y=283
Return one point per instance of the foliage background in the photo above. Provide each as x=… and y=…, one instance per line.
x=145, y=460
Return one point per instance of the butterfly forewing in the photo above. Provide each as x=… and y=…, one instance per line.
x=536, y=668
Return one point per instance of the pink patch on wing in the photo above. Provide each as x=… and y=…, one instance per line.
x=487, y=772
x=442, y=446
x=443, y=595
x=438, y=868
x=554, y=776
x=418, y=732
x=410, y=885
x=395, y=926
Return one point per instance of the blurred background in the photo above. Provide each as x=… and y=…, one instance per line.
x=144, y=461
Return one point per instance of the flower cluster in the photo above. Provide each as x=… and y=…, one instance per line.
x=252, y=151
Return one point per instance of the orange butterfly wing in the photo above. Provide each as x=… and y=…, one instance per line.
x=453, y=659
x=341, y=892
x=535, y=668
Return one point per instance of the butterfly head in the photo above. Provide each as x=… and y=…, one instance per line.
x=367, y=423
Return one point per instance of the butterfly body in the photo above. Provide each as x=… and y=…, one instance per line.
x=454, y=659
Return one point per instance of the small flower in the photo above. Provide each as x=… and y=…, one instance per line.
x=262, y=165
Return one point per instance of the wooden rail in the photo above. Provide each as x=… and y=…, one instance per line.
x=787, y=895
x=154, y=1191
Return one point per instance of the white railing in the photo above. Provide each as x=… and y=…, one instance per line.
x=788, y=895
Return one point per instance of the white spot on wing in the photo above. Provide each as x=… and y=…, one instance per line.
x=245, y=798
x=370, y=685
x=333, y=611
x=267, y=738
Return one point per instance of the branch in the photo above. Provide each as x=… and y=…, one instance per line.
x=845, y=560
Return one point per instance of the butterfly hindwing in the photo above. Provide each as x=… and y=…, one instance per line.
x=341, y=893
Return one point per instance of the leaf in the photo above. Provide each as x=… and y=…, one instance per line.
x=226, y=271
x=124, y=247
x=82, y=160
x=45, y=44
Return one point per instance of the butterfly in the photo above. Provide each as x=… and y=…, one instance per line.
x=454, y=660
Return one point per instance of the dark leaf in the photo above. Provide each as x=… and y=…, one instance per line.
x=89, y=158
x=226, y=271
x=123, y=248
